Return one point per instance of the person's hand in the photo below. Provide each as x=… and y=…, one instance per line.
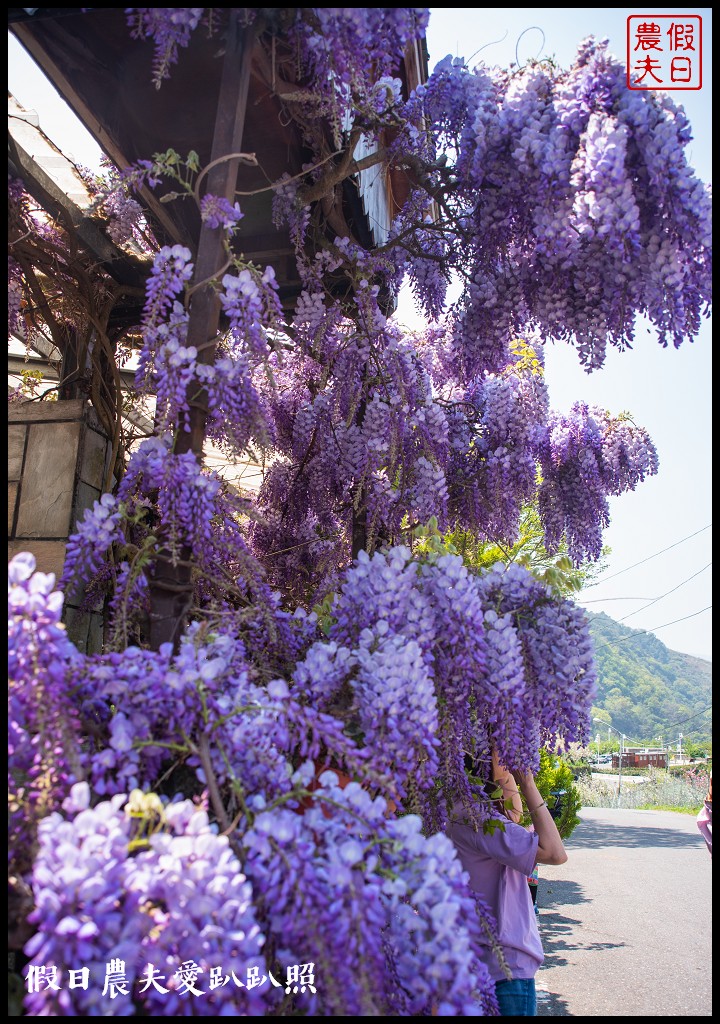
x=550, y=845
x=523, y=778
x=511, y=802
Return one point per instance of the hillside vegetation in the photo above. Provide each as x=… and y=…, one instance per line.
x=648, y=690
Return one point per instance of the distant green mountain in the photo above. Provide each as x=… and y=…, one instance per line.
x=648, y=690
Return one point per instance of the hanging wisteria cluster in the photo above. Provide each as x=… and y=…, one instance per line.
x=249, y=820
x=583, y=185
x=136, y=878
x=43, y=720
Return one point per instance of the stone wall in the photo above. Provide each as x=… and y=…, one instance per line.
x=57, y=461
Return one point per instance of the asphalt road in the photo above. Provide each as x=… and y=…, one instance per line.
x=626, y=923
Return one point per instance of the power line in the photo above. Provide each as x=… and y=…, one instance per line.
x=650, y=600
x=674, y=725
x=642, y=632
x=656, y=599
x=604, y=579
x=684, y=720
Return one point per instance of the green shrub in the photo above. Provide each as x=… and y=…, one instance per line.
x=556, y=777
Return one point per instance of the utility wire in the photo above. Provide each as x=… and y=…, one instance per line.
x=656, y=599
x=642, y=632
x=674, y=725
x=651, y=600
x=703, y=712
x=612, y=577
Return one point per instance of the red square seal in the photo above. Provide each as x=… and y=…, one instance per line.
x=664, y=51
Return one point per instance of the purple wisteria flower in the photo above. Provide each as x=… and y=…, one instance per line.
x=218, y=212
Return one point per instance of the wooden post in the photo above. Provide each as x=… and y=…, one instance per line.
x=171, y=584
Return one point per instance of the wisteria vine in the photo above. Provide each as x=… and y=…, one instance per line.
x=271, y=789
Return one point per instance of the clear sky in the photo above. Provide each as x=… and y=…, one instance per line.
x=658, y=576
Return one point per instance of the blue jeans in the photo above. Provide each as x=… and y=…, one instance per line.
x=516, y=998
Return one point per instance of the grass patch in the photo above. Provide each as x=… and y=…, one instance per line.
x=694, y=811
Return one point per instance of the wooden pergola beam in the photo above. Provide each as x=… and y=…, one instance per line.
x=122, y=268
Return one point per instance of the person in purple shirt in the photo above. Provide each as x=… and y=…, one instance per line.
x=704, y=818
x=499, y=863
